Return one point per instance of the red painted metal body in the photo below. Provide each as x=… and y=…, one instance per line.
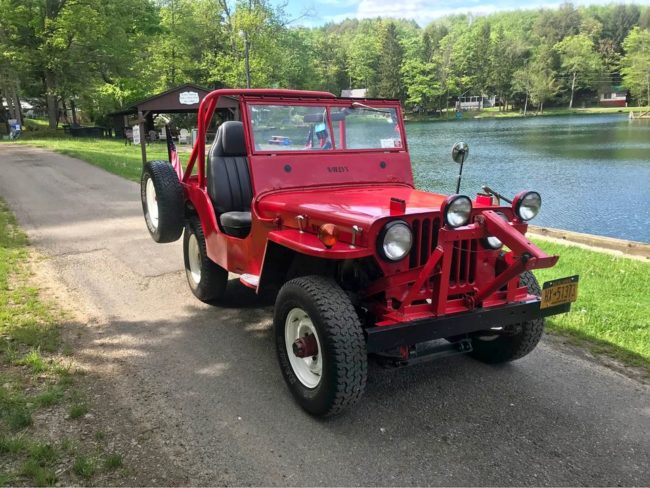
x=294, y=193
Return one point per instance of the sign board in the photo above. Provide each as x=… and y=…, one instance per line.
x=136, y=134
x=188, y=98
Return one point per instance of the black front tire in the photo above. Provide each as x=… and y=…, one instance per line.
x=515, y=345
x=207, y=280
x=165, y=222
x=343, y=348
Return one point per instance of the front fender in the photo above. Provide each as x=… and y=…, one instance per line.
x=309, y=244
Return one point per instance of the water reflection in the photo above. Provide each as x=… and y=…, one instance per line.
x=593, y=171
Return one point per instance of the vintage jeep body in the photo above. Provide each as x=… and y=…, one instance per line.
x=311, y=197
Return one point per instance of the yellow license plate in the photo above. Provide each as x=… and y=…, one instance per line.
x=558, y=292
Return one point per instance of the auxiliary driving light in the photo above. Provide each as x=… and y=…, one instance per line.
x=395, y=240
x=457, y=210
x=492, y=242
x=527, y=204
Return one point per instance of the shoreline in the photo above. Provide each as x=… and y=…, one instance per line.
x=550, y=112
x=610, y=245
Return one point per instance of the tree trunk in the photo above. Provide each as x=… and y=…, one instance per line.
x=73, y=107
x=65, y=111
x=52, y=115
x=526, y=104
x=15, y=100
x=573, y=86
x=541, y=108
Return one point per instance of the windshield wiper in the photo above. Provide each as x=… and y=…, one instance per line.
x=356, y=105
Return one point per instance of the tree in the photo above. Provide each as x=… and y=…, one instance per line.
x=506, y=57
x=618, y=21
x=543, y=86
x=389, y=79
x=470, y=57
x=68, y=47
x=522, y=82
x=636, y=63
x=554, y=25
x=362, y=56
x=537, y=80
x=422, y=85
x=579, y=60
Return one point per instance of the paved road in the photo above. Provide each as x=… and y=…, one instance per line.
x=205, y=378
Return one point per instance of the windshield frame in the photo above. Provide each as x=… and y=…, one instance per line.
x=328, y=104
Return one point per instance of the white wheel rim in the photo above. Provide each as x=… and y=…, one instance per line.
x=310, y=369
x=152, y=203
x=194, y=255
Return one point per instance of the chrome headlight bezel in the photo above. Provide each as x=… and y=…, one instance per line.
x=453, y=204
x=390, y=234
x=521, y=205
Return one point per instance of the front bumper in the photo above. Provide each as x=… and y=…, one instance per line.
x=409, y=333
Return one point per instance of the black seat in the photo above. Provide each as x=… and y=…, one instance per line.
x=228, y=180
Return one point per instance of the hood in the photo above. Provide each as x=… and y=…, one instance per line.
x=356, y=205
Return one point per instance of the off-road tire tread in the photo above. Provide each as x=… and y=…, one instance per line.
x=169, y=193
x=344, y=337
x=214, y=278
x=510, y=348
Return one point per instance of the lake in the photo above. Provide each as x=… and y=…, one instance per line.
x=593, y=171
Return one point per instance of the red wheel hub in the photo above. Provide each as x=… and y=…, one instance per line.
x=305, y=346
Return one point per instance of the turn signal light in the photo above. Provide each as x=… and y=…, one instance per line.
x=328, y=234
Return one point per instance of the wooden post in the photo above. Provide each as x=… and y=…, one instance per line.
x=143, y=142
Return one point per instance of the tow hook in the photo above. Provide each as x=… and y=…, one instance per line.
x=306, y=346
x=470, y=301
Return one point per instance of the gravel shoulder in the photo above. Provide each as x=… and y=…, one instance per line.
x=195, y=396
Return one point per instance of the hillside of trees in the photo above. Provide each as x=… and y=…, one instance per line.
x=96, y=56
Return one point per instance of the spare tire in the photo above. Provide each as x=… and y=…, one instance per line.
x=162, y=201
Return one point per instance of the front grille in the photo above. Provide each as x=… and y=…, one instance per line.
x=425, y=240
x=463, y=263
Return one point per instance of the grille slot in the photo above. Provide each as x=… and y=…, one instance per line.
x=463, y=264
x=425, y=240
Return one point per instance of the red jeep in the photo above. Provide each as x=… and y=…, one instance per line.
x=365, y=264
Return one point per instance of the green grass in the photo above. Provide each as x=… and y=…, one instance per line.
x=39, y=474
x=33, y=378
x=113, y=461
x=111, y=155
x=612, y=312
x=51, y=396
x=84, y=466
x=13, y=445
x=24, y=318
x=78, y=410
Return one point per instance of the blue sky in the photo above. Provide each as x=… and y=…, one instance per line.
x=423, y=11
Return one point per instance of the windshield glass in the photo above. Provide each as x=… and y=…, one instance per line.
x=289, y=128
x=364, y=127
x=307, y=127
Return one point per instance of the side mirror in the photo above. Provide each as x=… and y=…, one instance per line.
x=459, y=152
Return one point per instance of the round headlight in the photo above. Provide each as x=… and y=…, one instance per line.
x=527, y=205
x=395, y=240
x=457, y=210
x=492, y=242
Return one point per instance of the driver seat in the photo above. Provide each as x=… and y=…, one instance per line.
x=228, y=179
